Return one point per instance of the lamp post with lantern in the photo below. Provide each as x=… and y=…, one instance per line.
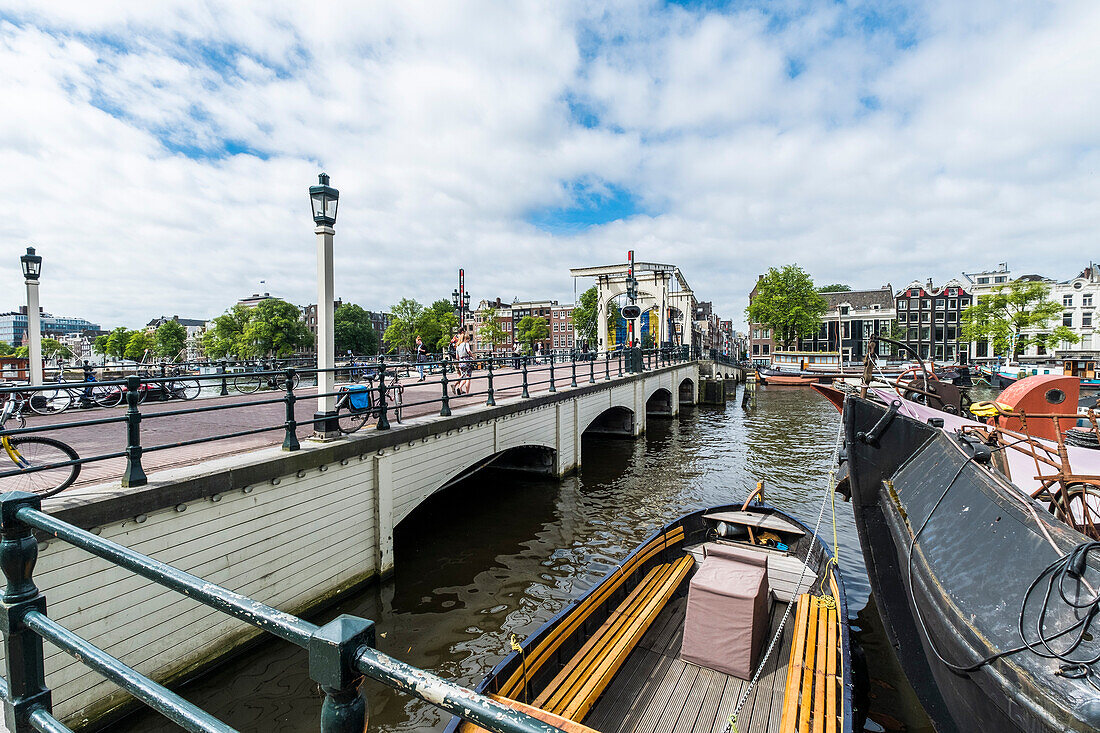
x=460, y=299
x=324, y=200
x=32, y=268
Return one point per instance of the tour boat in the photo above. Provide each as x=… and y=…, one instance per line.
x=979, y=542
x=732, y=608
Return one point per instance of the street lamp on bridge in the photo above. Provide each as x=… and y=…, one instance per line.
x=324, y=200
x=32, y=268
x=460, y=299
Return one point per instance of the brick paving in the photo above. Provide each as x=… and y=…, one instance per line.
x=171, y=430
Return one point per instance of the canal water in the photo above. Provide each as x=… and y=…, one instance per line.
x=500, y=553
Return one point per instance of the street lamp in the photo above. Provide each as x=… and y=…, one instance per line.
x=32, y=268
x=324, y=200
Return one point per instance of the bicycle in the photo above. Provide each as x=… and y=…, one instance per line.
x=250, y=382
x=356, y=405
x=31, y=451
x=183, y=389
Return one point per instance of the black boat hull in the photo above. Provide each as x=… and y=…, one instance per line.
x=979, y=550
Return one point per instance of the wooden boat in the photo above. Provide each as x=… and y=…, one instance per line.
x=670, y=639
x=964, y=526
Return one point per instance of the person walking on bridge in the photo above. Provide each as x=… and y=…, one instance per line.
x=464, y=353
x=421, y=353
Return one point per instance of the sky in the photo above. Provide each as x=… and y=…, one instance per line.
x=158, y=154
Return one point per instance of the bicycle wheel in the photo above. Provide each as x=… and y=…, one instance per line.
x=397, y=392
x=34, y=450
x=351, y=420
x=50, y=401
x=246, y=384
x=186, y=389
x=107, y=396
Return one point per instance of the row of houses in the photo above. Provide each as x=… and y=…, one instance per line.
x=928, y=318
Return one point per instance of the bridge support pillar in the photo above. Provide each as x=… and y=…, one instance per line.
x=383, y=514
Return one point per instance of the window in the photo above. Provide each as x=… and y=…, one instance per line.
x=983, y=280
x=1067, y=301
x=765, y=349
x=903, y=304
x=912, y=334
x=952, y=316
x=914, y=303
x=1086, y=299
x=953, y=292
x=927, y=303
x=939, y=334
x=1067, y=319
x=952, y=333
x=847, y=329
x=952, y=304
x=926, y=333
x=1086, y=319
x=1000, y=279
x=926, y=316
x=914, y=317
x=964, y=302
x=983, y=349
x=939, y=303
x=939, y=316
x=756, y=349
x=843, y=310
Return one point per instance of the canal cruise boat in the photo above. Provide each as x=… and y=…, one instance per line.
x=729, y=618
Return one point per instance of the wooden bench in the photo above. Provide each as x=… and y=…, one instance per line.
x=810, y=697
x=579, y=684
x=546, y=648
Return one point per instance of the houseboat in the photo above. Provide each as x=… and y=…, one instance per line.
x=801, y=368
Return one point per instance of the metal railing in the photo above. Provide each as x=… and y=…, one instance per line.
x=546, y=372
x=341, y=652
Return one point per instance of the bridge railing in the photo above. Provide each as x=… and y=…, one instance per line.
x=341, y=652
x=482, y=376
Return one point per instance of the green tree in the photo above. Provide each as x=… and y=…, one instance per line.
x=406, y=317
x=531, y=329
x=275, y=328
x=353, y=331
x=586, y=315
x=22, y=352
x=223, y=338
x=6, y=349
x=1002, y=317
x=139, y=345
x=491, y=331
x=438, y=323
x=170, y=339
x=787, y=302
x=117, y=341
x=99, y=346
x=835, y=288
x=52, y=348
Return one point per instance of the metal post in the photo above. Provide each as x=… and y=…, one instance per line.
x=489, y=400
x=326, y=353
x=225, y=388
x=573, y=368
x=134, y=475
x=26, y=670
x=34, y=334
x=290, y=440
x=525, y=394
x=607, y=366
x=592, y=370
x=383, y=423
x=552, y=387
x=333, y=649
x=445, y=407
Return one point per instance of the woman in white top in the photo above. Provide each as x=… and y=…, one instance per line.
x=464, y=354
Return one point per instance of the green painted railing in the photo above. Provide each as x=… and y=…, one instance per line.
x=341, y=652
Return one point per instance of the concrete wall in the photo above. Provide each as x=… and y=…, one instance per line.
x=289, y=529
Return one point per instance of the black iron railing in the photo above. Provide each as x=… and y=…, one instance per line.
x=341, y=652
x=283, y=386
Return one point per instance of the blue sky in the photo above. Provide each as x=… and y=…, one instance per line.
x=869, y=142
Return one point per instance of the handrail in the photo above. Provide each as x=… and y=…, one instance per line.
x=536, y=371
x=340, y=653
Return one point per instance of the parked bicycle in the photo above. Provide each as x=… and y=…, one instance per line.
x=177, y=387
x=254, y=381
x=356, y=405
x=32, y=451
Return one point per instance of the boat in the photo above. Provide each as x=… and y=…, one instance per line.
x=731, y=610
x=979, y=538
x=800, y=368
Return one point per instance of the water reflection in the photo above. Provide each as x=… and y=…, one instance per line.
x=501, y=553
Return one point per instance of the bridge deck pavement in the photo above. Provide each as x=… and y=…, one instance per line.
x=105, y=439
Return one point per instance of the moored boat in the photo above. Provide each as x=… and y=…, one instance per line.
x=979, y=541
x=734, y=610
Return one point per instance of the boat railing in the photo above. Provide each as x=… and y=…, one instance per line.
x=341, y=652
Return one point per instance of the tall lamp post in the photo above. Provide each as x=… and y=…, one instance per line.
x=324, y=199
x=460, y=299
x=32, y=268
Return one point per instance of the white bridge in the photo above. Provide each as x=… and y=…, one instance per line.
x=293, y=530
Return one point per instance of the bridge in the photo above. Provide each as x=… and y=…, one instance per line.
x=234, y=492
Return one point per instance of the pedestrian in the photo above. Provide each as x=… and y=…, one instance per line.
x=517, y=354
x=538, y=354
x=464, y=354
x=421, y=353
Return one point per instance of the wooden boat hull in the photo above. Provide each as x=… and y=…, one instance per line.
x=520, y=676
x=980, y=550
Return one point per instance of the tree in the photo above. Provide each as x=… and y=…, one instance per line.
x=491, y=331
x=170, y=339
x=99, y=346
x=787, y=302
x=117, y=341
x=1002, y=317
x=531, y=329
x=223, y=338
x=835, y=288
x=353, y=331
x=6, y=349
x=273, y=328
x=52, y=348
x=586, y=315
x=406, y=318
x=22, y=352
x=139, y=345
x=438, y=323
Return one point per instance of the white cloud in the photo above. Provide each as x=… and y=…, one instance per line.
x=971, y=142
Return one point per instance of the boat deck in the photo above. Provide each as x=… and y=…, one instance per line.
x=655, y=691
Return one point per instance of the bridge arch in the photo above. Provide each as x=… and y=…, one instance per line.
x=687, y=391
x=660, y=403
x=615, y=420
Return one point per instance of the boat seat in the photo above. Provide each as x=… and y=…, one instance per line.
x=583, y=679
x=727, y=611
x=810, y=697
